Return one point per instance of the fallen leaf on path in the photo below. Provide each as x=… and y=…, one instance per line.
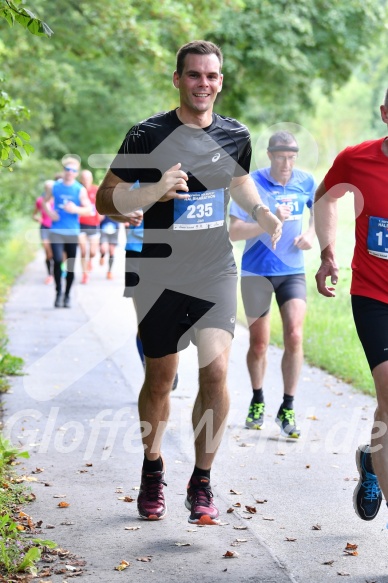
x=247, y=517
x=328, y=563
x=260, y=501
x=25, y=479
x=351, y=553
x=316, y=527
x=351, y=547
x=313, y=418
x=290, y=539
x=241, y=540
x=123, y=565
x=238, y=527
x=234, y=492
x=230, y=555
x=267, y=518
x=251, y=509
x=63, y=504
x=237, y=505
x=59, y=496
x=343, y=574
x=132, y=527
x=126, y=499
x=37, y=471
x=144, y=559
x=246, y=445
x=89, y=465
x=230, y=510
x=182, y=544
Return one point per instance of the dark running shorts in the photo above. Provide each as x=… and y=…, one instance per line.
x=371, y=319
x=166, y=326
x=132, y=265
x=257, y=292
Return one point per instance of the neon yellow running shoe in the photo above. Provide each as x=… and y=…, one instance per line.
x=255, y=419
x=286, y=421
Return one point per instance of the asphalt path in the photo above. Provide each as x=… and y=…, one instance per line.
x=286, y=506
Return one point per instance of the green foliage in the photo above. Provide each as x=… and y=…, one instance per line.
x=18, y=554
x=9, y=366
x=14, y=11
x=8, y=453
x=274, y=51
x=13, y=142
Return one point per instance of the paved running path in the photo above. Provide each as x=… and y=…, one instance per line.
x=75, y=411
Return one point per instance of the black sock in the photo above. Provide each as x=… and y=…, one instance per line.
x=288, y=402
x=198, y=472
x=258, y=396
x=152, y=465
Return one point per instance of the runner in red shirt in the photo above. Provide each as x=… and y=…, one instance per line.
x=90, y=227
x=363, y=170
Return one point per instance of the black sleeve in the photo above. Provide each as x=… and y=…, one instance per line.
x=130, y=163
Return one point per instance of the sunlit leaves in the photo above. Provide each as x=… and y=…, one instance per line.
x=14, y=11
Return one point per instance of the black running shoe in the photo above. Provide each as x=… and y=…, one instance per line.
x=286, y=421
x=66, y=302
x=58, y=300
x=367, y=496
x=200, y=501
x=255, y=419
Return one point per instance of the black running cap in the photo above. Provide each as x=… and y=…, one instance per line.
x=282, y=148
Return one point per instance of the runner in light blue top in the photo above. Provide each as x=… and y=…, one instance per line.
x=259, y=258
x=288, y=192
x=69, y=201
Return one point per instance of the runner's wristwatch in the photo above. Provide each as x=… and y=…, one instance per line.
x=255, y=209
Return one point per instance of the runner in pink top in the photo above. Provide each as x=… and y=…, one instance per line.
x=44, y=220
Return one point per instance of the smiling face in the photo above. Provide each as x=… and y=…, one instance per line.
x=199, y=85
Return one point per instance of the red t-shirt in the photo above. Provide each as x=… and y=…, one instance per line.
x=363, y=169
x=94, y=219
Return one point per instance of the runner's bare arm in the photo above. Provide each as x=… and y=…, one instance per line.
x=240, y=230
x=243, y=190
x=325, y=216
x=116, y=198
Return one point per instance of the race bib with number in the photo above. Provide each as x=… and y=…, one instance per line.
x=203, y=210
x=291, y=200
x=377, y=242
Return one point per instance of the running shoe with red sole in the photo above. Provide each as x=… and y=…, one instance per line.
x=151, y=504
x=199, y=501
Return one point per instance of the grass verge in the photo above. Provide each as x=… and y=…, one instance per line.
x=19, y=551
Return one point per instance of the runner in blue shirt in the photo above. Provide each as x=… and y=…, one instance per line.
x=70, y=201
x=287, y=192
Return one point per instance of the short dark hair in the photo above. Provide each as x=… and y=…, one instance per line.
x=196, y=47
x=386, y=99
x=280, y=138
